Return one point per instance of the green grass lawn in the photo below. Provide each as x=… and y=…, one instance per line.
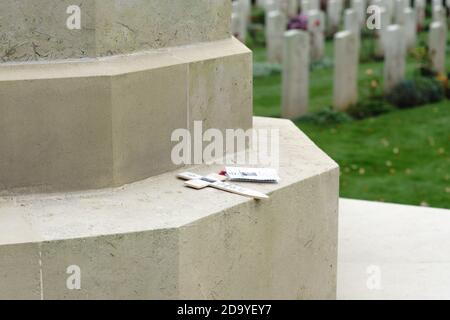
x=402, y=156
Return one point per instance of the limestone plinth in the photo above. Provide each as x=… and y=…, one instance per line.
x=150, y=240
x=37, y=30
x=87, y=117
x=87, y=181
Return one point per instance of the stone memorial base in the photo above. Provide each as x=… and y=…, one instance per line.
x=156, y=239
x=94, y=123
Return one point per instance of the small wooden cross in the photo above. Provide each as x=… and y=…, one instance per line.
x=217, y=181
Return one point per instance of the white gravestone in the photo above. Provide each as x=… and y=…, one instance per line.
x=381, y=33
x=316, y=29
x=400, y=6
x=275, y=28
x=271, y=5
x=435, y=3
x=340, y=6
x=293, y=8
x=379, y=3
x=246, y=6
x=307, y=5
x=304, y=6
x=346, y=55
x=439, y=15
x=437, y=44
x=410, y=28
x=395, y=53
x=419, y=6
x=333, y=16
x=351, y=24
x=261, y=3
x=388, y=5
x=236, y=25
x=360, y=8
x=239, y=21
x=289, y=7
x=295, y=74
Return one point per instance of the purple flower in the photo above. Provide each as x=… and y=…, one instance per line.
x=299, y=22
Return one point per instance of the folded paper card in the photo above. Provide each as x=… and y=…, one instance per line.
x=264, y=175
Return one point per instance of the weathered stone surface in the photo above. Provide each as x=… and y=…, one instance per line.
x=395, y=55
x=122, y=266
x=143, y=119
x=295, y=74
x=150, y=240
x=19, y=267
x=55, y=131
x=36, y=30
x=102, y=123
x=346, y=55
x=221, y=91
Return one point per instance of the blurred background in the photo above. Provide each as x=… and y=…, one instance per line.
x=391, y=147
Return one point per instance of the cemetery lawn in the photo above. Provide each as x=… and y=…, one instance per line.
x=401, y=157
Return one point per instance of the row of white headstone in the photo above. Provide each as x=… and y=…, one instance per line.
x=295, y=49
x=397, y=34
x=277, y=14
x=395, y=12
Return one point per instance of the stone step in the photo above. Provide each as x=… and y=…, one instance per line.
x=393, y=251
x=158, y=239
x=97, y=123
